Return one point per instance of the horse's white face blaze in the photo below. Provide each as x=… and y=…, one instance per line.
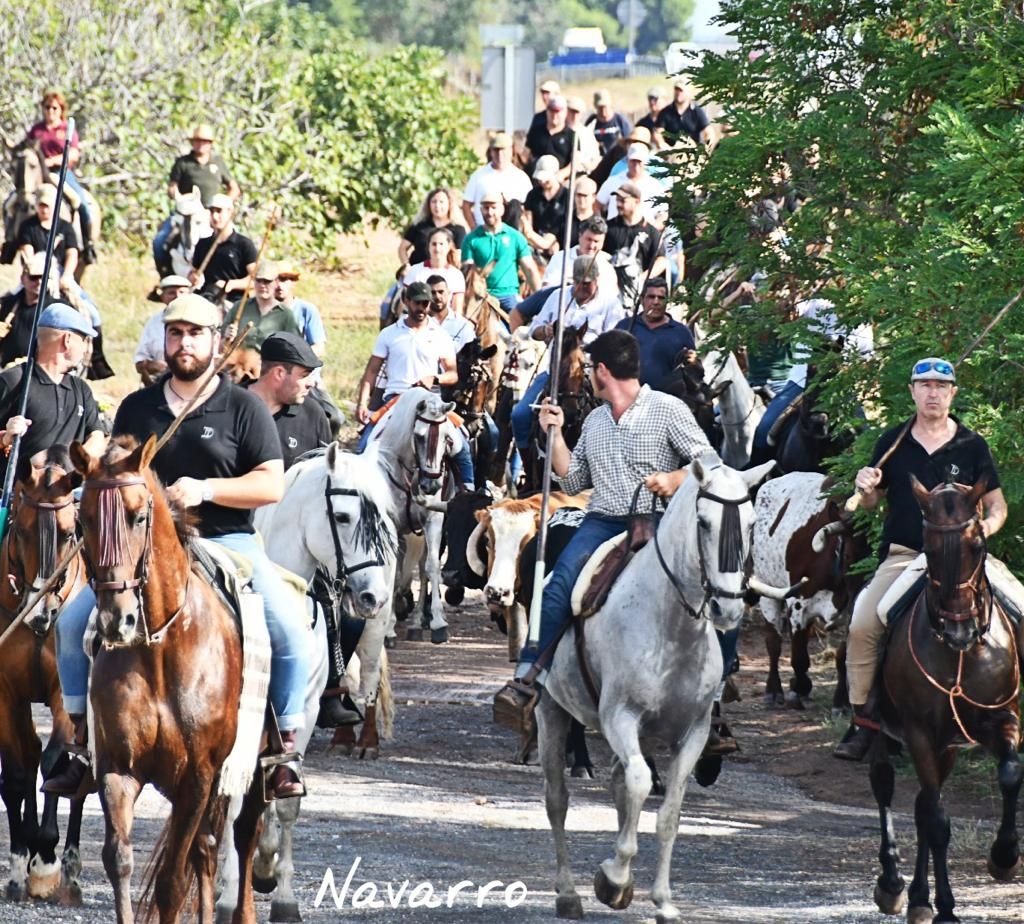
x=507, y=535
x=432, y=437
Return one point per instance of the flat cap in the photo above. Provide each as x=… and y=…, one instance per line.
x=192, y=308
x=286, y=347
x=63, y=317
x=417, y=292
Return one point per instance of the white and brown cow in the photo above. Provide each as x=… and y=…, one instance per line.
x=790, y=511
x=505, y=529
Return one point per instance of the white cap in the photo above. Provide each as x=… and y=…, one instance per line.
x=223, y=202
x=638, y=152
x=546, y=166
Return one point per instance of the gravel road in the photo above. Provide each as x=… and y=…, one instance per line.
x=443, y=805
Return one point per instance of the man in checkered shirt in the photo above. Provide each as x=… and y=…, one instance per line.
x=637, y=437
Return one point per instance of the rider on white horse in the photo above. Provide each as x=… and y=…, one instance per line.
x=639, y=437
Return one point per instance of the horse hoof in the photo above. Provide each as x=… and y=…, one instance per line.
x=774, y=700
x=390, y=642
x=371, y=753
x=657, y=788
x=43, y=878
x=439, y=636
x=70, y=894
x=454, y=596
x=264, y=884
x=794, y=701
x=707, y=770
x=920, y=914
x=582, y=772
x=225, y=915
x=285, y=913
x=569, y=907
x=614, y=897
x=888, y=903
x=1002, y=873
x=15, y=891
x=414, y=634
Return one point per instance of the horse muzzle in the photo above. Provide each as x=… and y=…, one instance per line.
x=116, y=626
x=960, y=636
x=366, y=604
x=429, y=485
x=43, y=616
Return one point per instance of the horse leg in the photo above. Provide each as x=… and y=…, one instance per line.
x=264, y=876
x=1004, y=857
x=21, y=755
x=404, y=603
x=228, y=898
x=203, y=857
x=516, y=623
x=932, y=826
x=800, y=660
x=189, y=807
x=841, y=697
x=773, y=688
x=13, y=786
x=683, y=761
x=247, y=833
x=581, y=765
x=118, y=793
x=71, y=860
x=553, y=724
x=613, y=882
x=890, y=889
x=370, y=667
x=44, y=870
x=284, y=907
x=432, y=533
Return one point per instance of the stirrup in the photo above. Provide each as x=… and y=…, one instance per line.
x=76, y=780
x=514, y=704
x=268, y=766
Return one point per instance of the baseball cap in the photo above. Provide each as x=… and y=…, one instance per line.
x=223, y=202
x=287, y=270
x=584, y=269
x=556, y=103
x=417, y=292
x=59, y=316
x=549, y=86
x=202, y=132
x=500, y=141
x=169, y=282
x=46, y=194
x=680, y=83
x=191, y=308
x=575, y=103
x=491, y=194
x=640, y=135
x=267, y=270
x=638, y=151
x=286, y=347
x=933, y=369
x=36, y=264
x=546, y=166
x=602, y=98
x=655, y=93
x=629, y=188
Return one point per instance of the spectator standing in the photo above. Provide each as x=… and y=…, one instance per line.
x=442, y=261
x=499, y=173
x=607, y=125
x=655, y=103
x=683, y=116
x=545, y=208
x=438, y=211
x=554, y=137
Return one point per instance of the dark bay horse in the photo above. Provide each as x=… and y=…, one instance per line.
x=165, y=687
x=41, y=534
x=951, y=679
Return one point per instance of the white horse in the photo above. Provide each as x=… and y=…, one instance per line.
x=413, y=440
x=655, y=663
x=190, y=223
x=336, y=513
x=740, y=408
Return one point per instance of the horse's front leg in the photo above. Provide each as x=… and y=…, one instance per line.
x=370, y=646
x=841, y=697
x=44, y=871
x=71, y=860
x=14, y=785
x=890, y=888
x=284, y=907
x=264, y=876
x=118, y=793
x=773, y=643
x=932, y=826
x=432, y=565
x=1004, y=857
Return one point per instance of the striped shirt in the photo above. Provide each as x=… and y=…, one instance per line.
x=657, y=433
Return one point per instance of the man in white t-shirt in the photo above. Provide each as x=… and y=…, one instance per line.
x=498, y=174
x=636, y=172
x=150, y=362
x=592, y=235
x=454, y=325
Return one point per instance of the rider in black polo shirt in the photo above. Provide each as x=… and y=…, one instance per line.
x=229, y=268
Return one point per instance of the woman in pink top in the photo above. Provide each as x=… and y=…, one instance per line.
x=442, y=261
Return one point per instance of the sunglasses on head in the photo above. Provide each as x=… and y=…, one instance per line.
x=940, y=366
x=35, y=278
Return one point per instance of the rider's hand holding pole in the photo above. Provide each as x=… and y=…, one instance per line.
x=867, y=481
x=552, y=419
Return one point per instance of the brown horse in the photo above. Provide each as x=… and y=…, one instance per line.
x=41, y=533
x=484, y=313
x=951, y=678
x=165, y=686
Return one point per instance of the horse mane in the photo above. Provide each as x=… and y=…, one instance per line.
x=375, y=529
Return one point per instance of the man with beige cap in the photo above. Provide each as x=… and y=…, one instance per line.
x=227, y=272
x=553, y=137
x=636, y=173
x=683, y=116
x=547, y=89
x=267, y=314
x=607, y=124
x=499, y=173
x=655, y=103
x=545, y=207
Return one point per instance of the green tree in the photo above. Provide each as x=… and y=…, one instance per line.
x=900, y=125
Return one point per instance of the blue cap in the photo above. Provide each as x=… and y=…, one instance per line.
x=63, y=317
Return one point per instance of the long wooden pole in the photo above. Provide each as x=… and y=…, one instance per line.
x=271, y=221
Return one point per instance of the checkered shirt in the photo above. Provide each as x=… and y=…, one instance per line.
x=656, y=434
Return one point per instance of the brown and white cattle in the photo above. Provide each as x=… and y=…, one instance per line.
x=505, y=529
x=790, y=512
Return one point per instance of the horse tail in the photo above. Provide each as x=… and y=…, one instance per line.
x=385, y=700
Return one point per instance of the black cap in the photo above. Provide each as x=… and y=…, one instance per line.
x=284, y=347
x=417, y=292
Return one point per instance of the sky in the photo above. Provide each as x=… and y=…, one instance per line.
x=702, y=29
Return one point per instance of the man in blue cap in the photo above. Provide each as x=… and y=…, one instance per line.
x=61, y=407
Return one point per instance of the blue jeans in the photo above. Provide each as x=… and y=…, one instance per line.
x=783, y=398
x=161, y=252
x=556, y=604
x=522, y=413
x=83, y=208
x=531, y=306
x=507, y=302
x=290, y=639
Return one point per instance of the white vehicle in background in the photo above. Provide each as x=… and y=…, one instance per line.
x=583, y=38
x=681, y=56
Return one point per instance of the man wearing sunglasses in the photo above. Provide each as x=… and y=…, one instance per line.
x=937, y=447
x=17, y=311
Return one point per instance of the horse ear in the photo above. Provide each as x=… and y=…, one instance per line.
x=148, y=451
x=488, y=352
x=720, y=388
x=700, y=470
x=421, y=407
x=80, y=458
x=920, y=491
x=448, y=407
x=752, y=477
x=332, y=455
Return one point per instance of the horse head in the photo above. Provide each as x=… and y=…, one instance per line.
x=475, y=379
x=29, y=171
x=432, y=437
x=125, y=518
x=954, y=545
x=43, y=530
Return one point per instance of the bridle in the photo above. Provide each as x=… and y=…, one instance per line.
x=973, y=583
x=113, y=549
x=343, y=571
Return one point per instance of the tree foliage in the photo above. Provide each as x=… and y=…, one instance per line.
x=307, y=118
x=901, y=126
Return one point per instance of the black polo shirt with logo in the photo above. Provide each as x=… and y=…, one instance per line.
x=691, y=121
x=230, y=260
x=60, y=412
x=227, y=436
x=965, y=459
x=209, y=178
x=301, y=427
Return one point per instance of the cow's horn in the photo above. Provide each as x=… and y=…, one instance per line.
x=472, y=558
x=820, y=538
x=775, y=593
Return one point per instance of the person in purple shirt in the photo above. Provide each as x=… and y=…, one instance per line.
x=660, y=336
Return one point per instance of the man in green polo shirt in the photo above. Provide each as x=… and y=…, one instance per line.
x=267, y=314
x=505, y=249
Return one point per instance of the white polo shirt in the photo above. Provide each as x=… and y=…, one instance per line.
x=412, y=354
x=600, y=314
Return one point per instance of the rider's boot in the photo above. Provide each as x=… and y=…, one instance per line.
x=285, y=781
x=514, y=702
x=99, y=368
x=76, y=778
x=720, y=740
x=864, y=725
x=336, y=707
x=88, y=245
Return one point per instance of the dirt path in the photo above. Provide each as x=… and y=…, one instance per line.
x=443, y=805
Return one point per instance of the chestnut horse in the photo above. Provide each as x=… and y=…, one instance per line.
x=951, y=679
x=41, y=534
x=165, y=686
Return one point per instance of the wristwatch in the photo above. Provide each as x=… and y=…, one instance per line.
x=207, y=492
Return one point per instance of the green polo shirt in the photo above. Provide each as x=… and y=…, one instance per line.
x=277, y=319
x=505, y=249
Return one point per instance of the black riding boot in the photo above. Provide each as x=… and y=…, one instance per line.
x=76, y=777
x=864, y=725
x=336, y=706
x=88, y=245
x=99, y=368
